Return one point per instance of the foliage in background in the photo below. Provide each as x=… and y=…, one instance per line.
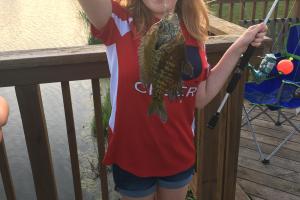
x=106, y=111
x=91, y=40
x=106, y=105
x=190, y=195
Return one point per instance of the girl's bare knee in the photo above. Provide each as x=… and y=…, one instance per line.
x=172, y=194
x=150, y=197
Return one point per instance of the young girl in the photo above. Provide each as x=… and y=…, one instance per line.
x=151, y=158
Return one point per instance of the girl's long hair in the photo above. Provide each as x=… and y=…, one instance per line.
x=193, y=13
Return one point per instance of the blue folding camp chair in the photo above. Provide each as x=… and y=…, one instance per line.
x=277, y=92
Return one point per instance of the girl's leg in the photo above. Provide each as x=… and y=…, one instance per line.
x=132, y=187
x=150, y=197
x=172, y=194
x=174, y=187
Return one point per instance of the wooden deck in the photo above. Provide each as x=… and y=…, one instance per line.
x=280, y=180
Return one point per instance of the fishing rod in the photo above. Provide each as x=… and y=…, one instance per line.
x=238, y=73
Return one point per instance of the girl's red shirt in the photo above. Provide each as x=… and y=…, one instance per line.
x=139, y=143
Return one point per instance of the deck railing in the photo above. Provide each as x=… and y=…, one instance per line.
x=253, y=9
x=247, y=13
x=26, y=70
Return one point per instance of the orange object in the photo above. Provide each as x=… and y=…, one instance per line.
x=285, y=66
x=4, y=110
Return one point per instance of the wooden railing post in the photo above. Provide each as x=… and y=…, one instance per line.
x=297, y=9
x=232, y=141
x=66, y=92
x=36, y=136
x=218, y=148
x=100, y=137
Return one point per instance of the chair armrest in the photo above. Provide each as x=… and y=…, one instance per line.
x=297, y=84
x=286, y=82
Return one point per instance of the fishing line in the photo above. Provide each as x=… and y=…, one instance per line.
x=283, y=26
x=297, y=46
x=165, y=8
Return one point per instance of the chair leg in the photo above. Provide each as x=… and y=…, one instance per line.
x=255, y=116
x=288, y=118
x=253, y=134
x=267, y=159
x=246, y=113
x=264, y=111
x=289, y=121
x=278, y=123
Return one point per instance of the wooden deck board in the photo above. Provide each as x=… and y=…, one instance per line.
x=255, y=198
x=240, y=193
x=264, y=130
x=281, y=178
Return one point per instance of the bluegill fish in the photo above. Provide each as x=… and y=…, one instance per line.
x=162, y=59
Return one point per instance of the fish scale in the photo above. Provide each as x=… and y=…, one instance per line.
x=162, y=60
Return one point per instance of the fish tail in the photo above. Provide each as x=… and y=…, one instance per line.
x=157, y=107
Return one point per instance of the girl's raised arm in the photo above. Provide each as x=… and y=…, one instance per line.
x=98, y=11
x=208, y=89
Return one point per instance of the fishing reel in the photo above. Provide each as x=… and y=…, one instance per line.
x=265, y=68
x=284, y=67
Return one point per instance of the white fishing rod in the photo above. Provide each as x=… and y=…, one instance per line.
x=238, y=73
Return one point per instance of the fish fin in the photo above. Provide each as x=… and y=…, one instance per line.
x=187, y=69
x=159, y=109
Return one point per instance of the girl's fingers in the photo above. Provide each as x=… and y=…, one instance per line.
x=256, y=44
x=260, y=35
x=255, y=35
x=261, y=31
x=258, y=28
x=258, y=31
x=258, y=40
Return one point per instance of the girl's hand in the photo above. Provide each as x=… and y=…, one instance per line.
x=254, y=35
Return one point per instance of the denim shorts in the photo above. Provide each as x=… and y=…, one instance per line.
x=133, y=186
